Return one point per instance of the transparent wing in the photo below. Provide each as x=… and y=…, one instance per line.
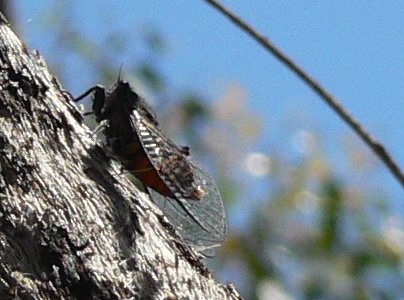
x=202, y=223
x=196, y=209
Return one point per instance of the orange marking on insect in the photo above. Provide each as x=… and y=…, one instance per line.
x=142, y=168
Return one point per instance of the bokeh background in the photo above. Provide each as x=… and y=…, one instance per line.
x=312, y=212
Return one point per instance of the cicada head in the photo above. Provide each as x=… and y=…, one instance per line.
x=119, y=102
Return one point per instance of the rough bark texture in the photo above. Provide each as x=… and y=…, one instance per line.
x=71, y=225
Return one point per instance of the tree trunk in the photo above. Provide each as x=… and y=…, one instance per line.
x=71, y=225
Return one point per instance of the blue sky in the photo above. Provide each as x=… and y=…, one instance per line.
x=354, y=48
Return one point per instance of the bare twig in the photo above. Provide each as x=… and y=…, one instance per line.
x=375, y=145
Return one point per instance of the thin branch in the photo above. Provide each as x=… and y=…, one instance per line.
x=375, y=145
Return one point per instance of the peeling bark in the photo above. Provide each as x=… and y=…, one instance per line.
x=71, y=225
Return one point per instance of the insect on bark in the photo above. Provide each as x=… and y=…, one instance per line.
x=187, y=195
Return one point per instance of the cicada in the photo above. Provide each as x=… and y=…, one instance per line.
x=186, y=194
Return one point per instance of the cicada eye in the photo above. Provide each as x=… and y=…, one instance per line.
x=123, y=86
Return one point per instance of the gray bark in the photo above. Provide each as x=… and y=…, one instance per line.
x=71, y=225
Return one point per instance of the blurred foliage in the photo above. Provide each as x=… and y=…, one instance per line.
x=313, y=236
